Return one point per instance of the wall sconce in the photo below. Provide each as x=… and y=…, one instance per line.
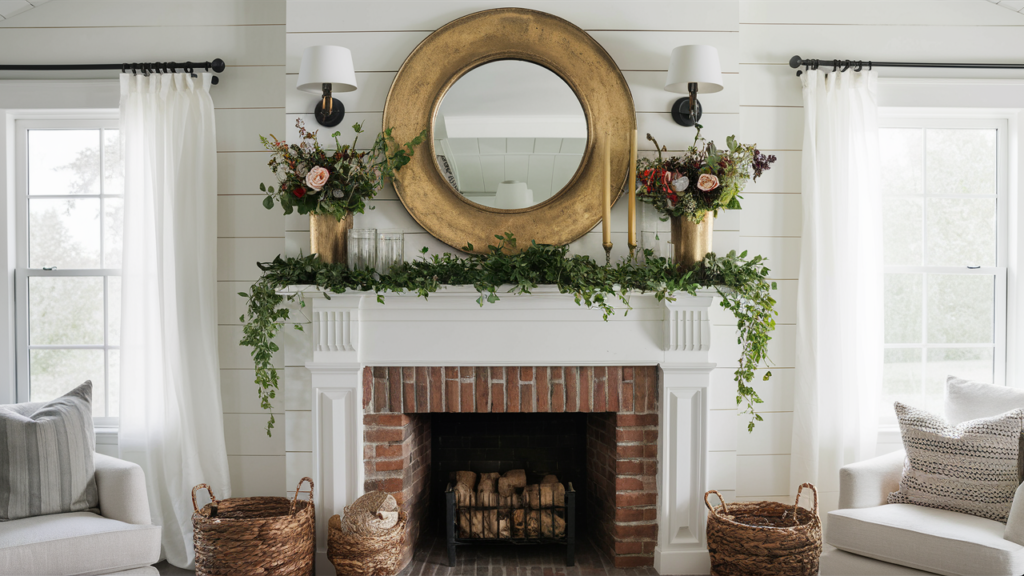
x=325, y=69
x=693, y=68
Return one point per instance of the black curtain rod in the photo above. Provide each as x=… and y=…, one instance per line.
x=843, y=65
x=217, y=65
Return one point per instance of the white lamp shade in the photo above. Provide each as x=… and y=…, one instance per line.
x=694, y=63
x=326, y=65
x=512, y=195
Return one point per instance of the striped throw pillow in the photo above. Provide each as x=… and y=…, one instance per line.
x=46, y=456
x=969, y=468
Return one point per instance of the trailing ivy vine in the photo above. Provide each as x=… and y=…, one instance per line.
x=743, y=284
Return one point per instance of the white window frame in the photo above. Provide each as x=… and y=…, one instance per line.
x=965, y=119
x=58, y=120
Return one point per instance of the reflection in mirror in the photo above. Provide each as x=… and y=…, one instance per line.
x=509, y=134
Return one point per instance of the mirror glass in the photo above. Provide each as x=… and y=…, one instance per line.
x=509, y=134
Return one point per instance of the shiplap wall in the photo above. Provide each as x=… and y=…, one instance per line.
x=761, y=102
x=249, y=36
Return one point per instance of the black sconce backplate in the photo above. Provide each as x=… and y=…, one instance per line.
x=681, y=112
x=332, y=119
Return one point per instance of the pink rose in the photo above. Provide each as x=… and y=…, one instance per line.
x=317, y=177
x=707, y=182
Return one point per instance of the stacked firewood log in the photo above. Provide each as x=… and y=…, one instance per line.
x=493, y=505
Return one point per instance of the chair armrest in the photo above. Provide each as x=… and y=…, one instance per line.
x=1014, y=531
x=122, y=490
x=868, y=483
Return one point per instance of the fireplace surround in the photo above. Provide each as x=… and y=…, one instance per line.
x=379, y=373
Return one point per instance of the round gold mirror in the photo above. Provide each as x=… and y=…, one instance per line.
x=519, y=106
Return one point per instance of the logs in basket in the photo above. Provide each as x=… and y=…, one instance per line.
x=269, y=536
x=764, y=538
x=368, y=540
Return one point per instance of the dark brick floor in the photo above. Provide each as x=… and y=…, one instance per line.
x=542, y=560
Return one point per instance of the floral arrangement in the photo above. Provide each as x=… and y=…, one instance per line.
x=314, y=180
x=705, y=179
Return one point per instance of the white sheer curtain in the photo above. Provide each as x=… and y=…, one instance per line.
x=839, y=300
x=171, y=421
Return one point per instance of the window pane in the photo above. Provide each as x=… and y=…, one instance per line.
x=961, y=161
x=64, y=233
x=63, y=161
x=902, y=223
x=901, y=379
x=113, y=166
x=113, y=225
x=903, y=308
x=961, y=232
x=970, y=363
x=960, y=308
x=902, y=151
x=65, y=311
x=56, y=372
x=114, y=310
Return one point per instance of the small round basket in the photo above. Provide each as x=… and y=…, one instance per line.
x=367, y=542
x=269, y=536
x=764, y=538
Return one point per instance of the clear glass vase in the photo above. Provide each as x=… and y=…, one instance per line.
x=362, y=249
x=390, y=251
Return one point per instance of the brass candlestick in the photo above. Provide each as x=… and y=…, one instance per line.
x=607, y=253
x=632, y=250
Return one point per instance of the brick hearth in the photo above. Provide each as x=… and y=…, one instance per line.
x=622, y=438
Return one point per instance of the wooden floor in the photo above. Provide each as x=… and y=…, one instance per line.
x=431, y=558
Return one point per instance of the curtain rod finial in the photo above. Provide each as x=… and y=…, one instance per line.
x=795, y=62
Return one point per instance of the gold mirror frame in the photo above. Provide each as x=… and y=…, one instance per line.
x=510, y=34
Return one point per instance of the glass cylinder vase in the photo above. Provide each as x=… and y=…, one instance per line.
x=390, y=251
x=362, y=249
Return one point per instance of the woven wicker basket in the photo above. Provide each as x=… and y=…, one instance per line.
x=764, y=538
x=370, y=550
x=269, y=536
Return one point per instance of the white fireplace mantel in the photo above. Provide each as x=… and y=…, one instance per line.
x=545, y=328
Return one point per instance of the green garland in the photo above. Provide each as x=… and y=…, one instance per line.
x=742, y=283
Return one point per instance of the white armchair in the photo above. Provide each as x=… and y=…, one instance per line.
x=873, y=538
x=120, y=539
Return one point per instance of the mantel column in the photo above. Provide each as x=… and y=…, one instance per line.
x=682, y=451
x=337, y=411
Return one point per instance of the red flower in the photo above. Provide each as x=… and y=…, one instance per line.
x=299, y=192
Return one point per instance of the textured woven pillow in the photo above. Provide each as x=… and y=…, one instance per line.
x=969, y=468
x=46, y=456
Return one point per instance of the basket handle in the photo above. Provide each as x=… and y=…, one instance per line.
x=299, y=487
x=707, y=494
x=213, y=499
x=799, y=490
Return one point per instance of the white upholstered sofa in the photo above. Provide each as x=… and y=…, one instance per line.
x=873, y=538
x=119, y=540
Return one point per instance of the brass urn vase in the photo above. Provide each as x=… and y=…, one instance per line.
x=691, y=242
x=328, y=237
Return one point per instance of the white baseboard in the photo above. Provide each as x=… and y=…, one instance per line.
x=682, y=562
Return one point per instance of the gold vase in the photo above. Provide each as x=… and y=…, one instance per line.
x=328, y=237
x=691, y=242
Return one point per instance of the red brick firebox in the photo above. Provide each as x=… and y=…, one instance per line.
x=622, y=437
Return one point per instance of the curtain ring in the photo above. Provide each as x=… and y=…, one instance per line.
x=869, y=66
x=846, y=66
x=835, y=65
